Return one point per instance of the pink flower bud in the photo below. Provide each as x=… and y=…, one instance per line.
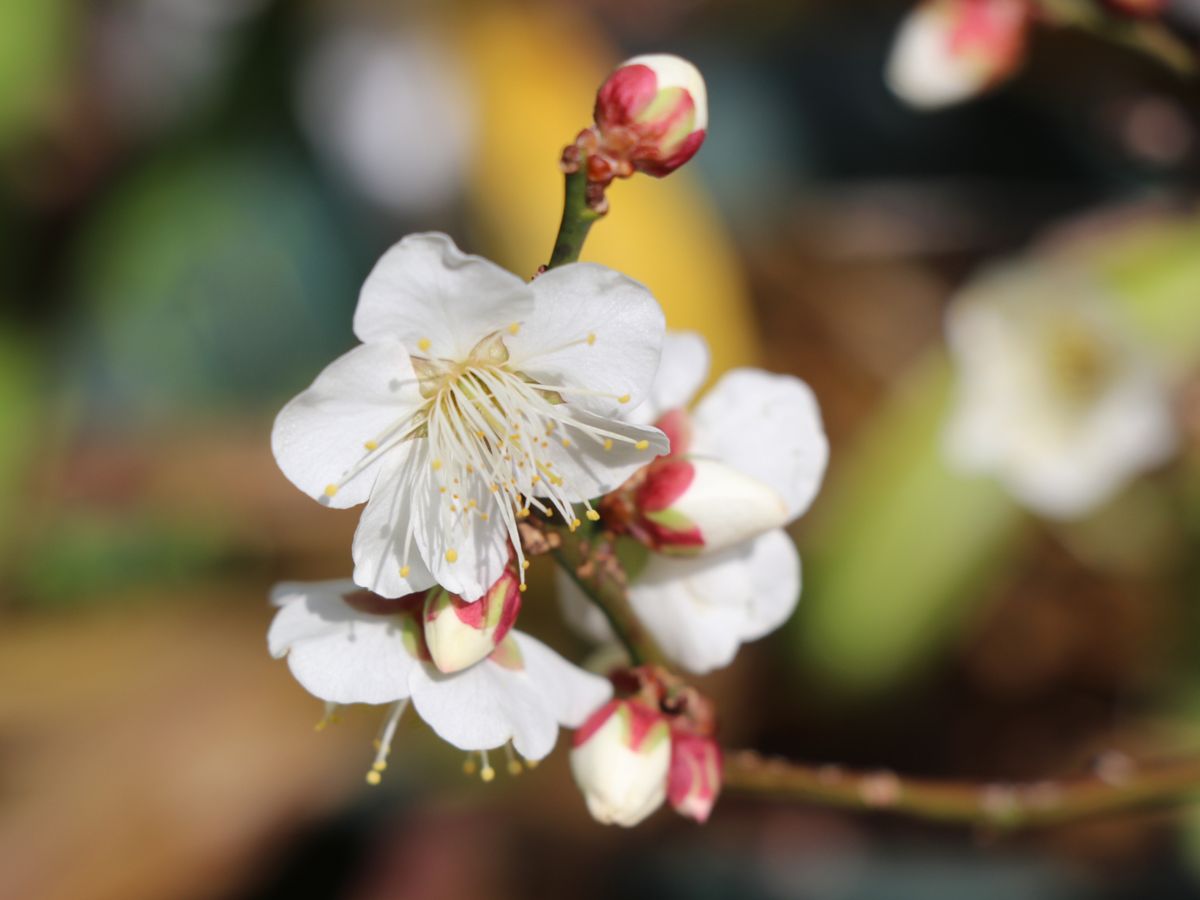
x=947, y=51
x=689, y=505
x=695, y=778
x=651, y=114
x=1138, y=9
x=460, y=634
x=620, y=759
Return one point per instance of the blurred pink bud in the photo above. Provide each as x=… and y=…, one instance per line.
x=695, y=779
x=689, y=505
x=460, y=634
x=947, y=51
x=621, y=758
x=652, y=113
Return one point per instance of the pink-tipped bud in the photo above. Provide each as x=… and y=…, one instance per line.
x=695, y=778
x=620, y=759
x=689, y=505
x=1138, y=9
x=651, y=114
x=460, y=634
x=947, y=51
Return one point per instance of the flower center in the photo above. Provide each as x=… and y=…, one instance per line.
x=500, y=443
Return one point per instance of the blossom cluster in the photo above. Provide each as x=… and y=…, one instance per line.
x=483, y=418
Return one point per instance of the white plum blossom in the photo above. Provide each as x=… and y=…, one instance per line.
x=703, y=604
x=474, y=396
x=346, y=645
x=1055, y=396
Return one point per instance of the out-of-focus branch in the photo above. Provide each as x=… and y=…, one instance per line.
x=1117, y=785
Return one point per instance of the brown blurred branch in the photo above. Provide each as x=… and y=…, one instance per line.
x=1116, y=785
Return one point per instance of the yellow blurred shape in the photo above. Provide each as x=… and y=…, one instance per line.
x=536, y=70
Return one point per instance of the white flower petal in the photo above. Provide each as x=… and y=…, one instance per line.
x=488, y=705
x=570, y=693
x=588, y=468
x=591, y=328
x=336, y=652
x=381, y=563
x=681, y=372
x=696, y=607
x=769, y=427
x=426, y=289
x=324, y=431
x=465, y=553
x=774, y=570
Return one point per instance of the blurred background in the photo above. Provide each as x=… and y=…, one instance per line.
x=191, y=193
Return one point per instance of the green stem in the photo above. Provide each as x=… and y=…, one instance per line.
x=580, y=555
x=577, y=219
x=1117, y=787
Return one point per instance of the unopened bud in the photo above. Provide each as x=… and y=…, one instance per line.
x=690, y=505
x=621, y=758
x=460, y=634
x=657, y=107
x=695, y=778
x=947, y=51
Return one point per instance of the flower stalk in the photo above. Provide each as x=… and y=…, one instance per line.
x=1116, y=785
x=577, y=218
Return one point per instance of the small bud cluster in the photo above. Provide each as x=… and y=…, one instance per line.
x=653, y=743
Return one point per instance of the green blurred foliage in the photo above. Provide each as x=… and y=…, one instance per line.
x=35, y=46
x=211, y=278
x=903, y=548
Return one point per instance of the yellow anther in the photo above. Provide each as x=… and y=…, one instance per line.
x=424, y=344
x=484, y=516
x=531, y=763
x=371, y=445
x=442, y=489
x=330, y=490
x=524, y=564
x=566, y=442
x=471, y=504
x=487, y=773
x=469, y=766
x=592, y=339
x=575, y=523
x=515, y=767
x=624, y=398
x=451, y=556
x=373, y=778
x=514, y=327
x=642, y=445
x=593, y=516
x=608, y=445
x=523, y=513
x=437, y=464
x=524, y=587
x=404, y=570
x=380, y=765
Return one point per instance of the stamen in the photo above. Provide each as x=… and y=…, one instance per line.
x=329, y=718
x=514, y=764
x=424, y=344
x=487, y=773
x=383, y=744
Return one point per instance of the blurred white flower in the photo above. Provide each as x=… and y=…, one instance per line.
x=392, y=114
x=947, y=51
x=1055, y=397
x=702, y=607
x=473, y=395
x=346, y=645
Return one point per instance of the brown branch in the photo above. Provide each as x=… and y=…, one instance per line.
x=1116, y=785
x=589, y=559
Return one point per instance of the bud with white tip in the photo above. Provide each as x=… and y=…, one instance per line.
x=692, y=505
x=657, y=106
x=947, y=51
x=621, y=758
x=460, y=634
